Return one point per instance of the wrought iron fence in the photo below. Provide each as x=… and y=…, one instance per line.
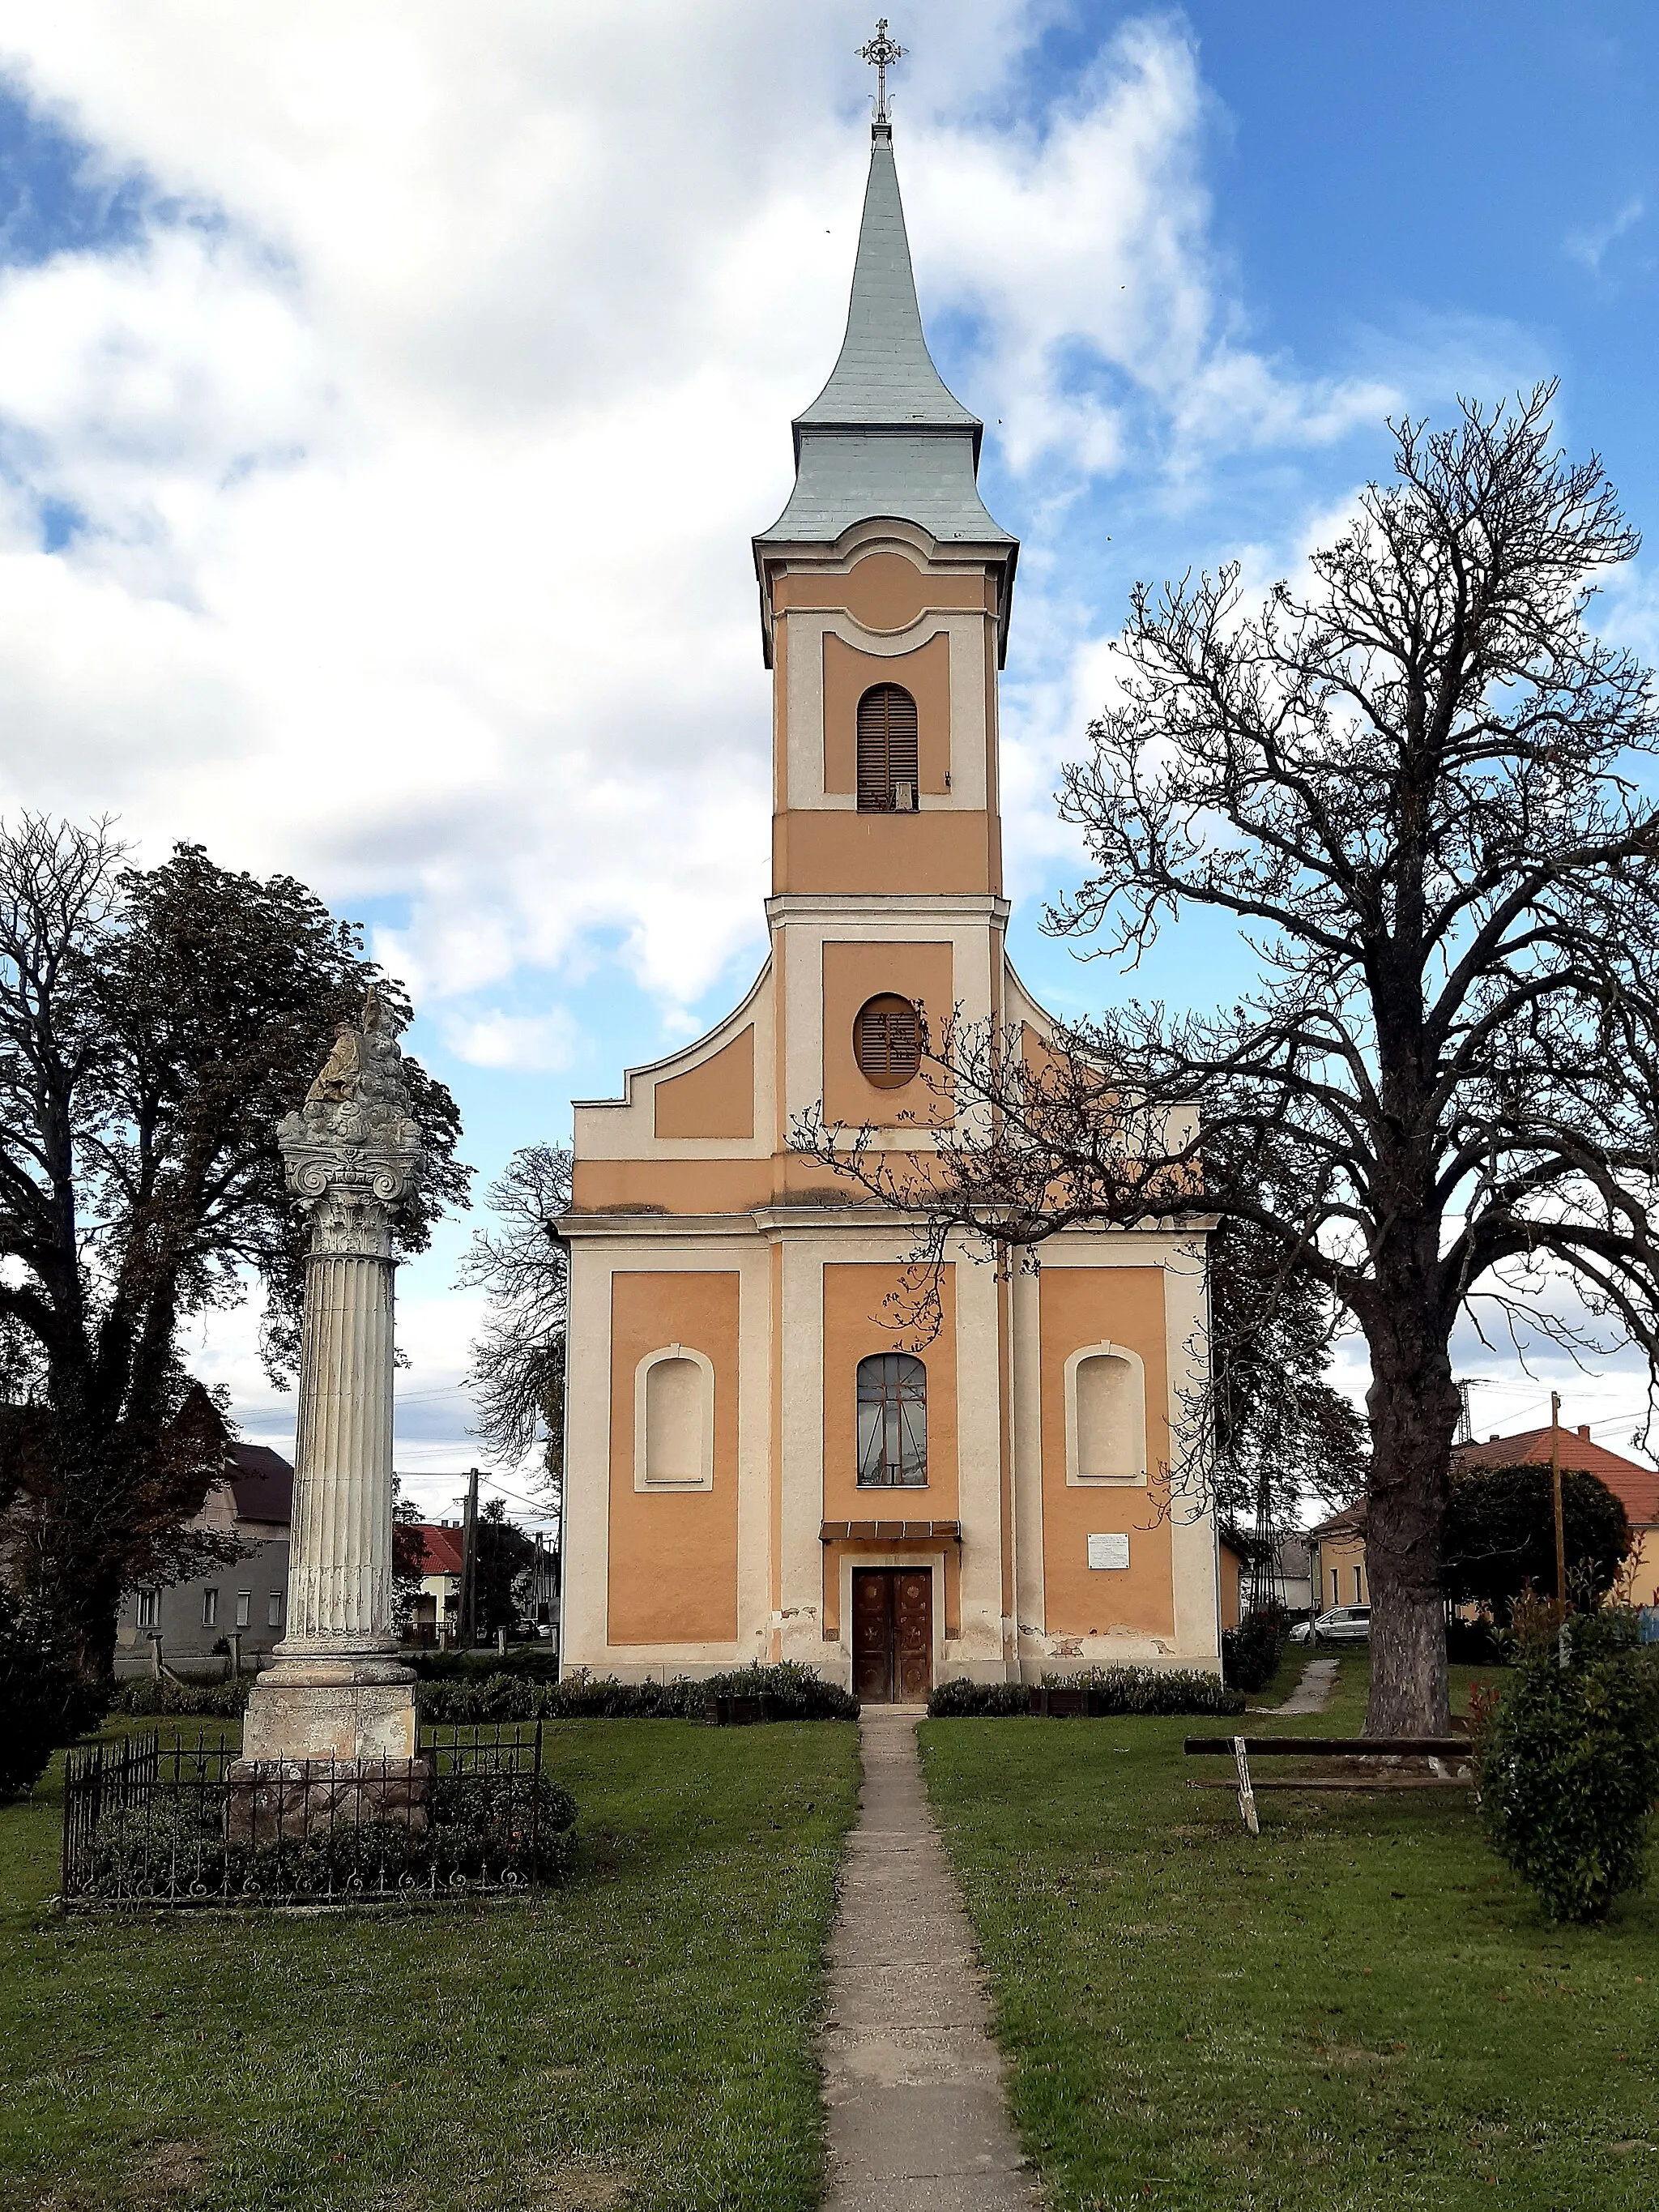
x=148, y=1823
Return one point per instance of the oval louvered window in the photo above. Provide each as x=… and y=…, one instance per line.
x=887, y=751
x=887, y=1040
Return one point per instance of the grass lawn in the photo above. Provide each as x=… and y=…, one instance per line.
x=644, y=2031
x=1361, y=2008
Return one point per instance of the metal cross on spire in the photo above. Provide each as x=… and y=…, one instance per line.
x=881, y=52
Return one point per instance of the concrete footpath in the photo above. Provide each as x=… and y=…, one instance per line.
x=912, y=2080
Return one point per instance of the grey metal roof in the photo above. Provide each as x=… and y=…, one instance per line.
x=885, y=437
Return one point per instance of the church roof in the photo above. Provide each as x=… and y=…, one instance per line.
x=884, y=436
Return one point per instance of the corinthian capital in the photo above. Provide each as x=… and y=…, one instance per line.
x=353, y=1152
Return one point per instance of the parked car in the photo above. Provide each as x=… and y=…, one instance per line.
x=1344, y=1624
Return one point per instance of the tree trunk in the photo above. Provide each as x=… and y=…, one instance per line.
x=1413, y=1408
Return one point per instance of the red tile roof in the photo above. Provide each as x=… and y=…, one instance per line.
x=1635, y=1486
x=440, y=1548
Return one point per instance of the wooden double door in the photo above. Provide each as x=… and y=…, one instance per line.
x=892, y=1634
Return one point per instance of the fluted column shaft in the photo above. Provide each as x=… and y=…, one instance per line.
x=339, y=1584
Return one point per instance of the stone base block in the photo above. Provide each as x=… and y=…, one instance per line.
x=330, y=1709
x=269, y=1798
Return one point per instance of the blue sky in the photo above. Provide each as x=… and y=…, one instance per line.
x=388, y=395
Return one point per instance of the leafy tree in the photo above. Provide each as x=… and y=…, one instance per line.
x=154, y=1025
x=1413, y=788
x=1500, y=1535
x=517, y=1377
x=505, y=1556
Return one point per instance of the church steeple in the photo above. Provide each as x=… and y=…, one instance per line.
x=885, y=374
x=885, y=438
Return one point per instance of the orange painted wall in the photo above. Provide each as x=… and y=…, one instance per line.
x=1090, y=1305
x=1345, y=1556
x=954, y=850
x=848, y=674
x=854, y=974
x=855, y=1323
x=673, y=1566
x=714, y=1100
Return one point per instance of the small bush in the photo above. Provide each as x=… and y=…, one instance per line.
x=1251, y=1652
x=149, y=1695
x=1567, y=1755
x=1111, y=1691
x=44, y=1699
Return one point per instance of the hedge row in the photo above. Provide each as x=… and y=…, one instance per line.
x=1107, y=1692
x=148, y=1695
x=794, y=1692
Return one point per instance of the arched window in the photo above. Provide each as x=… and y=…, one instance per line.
x=887, y=751
x=893, y=1422
x=887, y=1040
x=1105, y=1415
x=674, y=1420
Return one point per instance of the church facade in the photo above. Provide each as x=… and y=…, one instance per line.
x=760, y=1462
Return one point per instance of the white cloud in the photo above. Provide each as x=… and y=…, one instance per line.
x=1589, y=243
x=532, y=1042
x=418, y=437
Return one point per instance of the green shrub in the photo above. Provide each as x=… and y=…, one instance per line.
x=1251, y=1652
x=1112, y=1691
x=44, y=1699
x=1567, y=1756
x=150, y=1695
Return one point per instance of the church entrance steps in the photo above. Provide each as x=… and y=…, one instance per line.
x=912, y=2080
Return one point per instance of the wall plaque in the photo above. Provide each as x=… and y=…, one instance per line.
x=1109, y=1551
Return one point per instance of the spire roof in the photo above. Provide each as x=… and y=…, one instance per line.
x=884, y=438
x=885, y=374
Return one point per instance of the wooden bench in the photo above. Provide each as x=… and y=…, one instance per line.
x=1440, y=1751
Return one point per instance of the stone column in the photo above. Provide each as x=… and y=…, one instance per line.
x=336, y=1689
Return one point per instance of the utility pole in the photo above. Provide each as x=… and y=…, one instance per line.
x=1555, y=1489
x=469, y=1620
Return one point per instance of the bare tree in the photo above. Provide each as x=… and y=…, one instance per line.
x=1414, y=788
x=517, y=1377
x=153, y=1025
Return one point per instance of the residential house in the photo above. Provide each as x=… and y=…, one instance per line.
x=191, y=1623
x=1341, y=1539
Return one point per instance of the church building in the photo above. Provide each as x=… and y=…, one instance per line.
x=760, y=1462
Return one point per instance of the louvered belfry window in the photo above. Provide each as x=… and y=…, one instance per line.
x=887, y=751
x=887, y=1040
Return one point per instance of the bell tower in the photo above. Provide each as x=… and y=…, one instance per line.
x=884, y=589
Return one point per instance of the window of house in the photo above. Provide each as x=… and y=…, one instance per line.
x=1336, y=1587
x=887, y=1040
x=1358, y=1586
x=273, y=1610
x=674, y=1420
x=210, y=1609
x=892, y=1394
x=244, y=1607
x=1105, y=1415
x=150, y=1608
x=888, y=781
